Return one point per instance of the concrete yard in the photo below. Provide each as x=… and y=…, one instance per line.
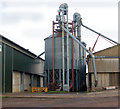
x=72, y=99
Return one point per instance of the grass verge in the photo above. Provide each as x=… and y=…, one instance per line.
x=4, y=96
x=59, y=92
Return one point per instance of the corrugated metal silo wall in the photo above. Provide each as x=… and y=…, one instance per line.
x=79, y=65
x=58, y=53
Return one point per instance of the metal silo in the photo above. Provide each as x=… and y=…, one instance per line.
x=65, y=59
x=65, y=53
x=79, y=65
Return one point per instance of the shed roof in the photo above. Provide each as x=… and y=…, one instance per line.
x=17, y=47
x=111, y=51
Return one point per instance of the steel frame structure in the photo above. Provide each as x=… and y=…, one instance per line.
x=61, y=73
x=65, y=77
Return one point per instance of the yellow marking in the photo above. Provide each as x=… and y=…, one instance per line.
x=39, y=89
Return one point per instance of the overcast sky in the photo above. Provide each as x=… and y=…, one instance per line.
x=29, y=22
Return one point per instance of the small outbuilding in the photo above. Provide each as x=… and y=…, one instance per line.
x=19, y=68
x=108, y=68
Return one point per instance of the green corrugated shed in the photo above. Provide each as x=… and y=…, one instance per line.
x=16, y=58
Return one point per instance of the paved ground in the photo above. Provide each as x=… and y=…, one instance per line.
x=96, y=99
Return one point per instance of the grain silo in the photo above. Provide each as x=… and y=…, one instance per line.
x=65, y=53
x=65, y=59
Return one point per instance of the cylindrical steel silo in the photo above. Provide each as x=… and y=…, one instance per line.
x=79, y=64
x=65, y=60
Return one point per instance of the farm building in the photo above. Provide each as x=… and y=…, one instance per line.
x=107, y=66
x=20, y=68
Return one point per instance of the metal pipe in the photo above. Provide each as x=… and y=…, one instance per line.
x=12, y=64
x=99, y=33
x=74, y=30
x=45, y=79
x=95, y=44
x=76, y=80
x=4, y=67
x=77, y=25
x=78, y=17
x=40, y=54
x=72, y=60
x=60, y=76
x=93, y=59
x=67, y=53
x=48, y=76
x=64, y=9
x=53, y=52
x=63, y=63
x=74, y=27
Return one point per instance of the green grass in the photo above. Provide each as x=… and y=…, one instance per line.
x=57, y=92
x=4, y=96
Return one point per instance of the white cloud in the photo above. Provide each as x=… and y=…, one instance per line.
x=28, y=22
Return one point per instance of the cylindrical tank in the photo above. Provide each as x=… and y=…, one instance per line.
x=79, y=69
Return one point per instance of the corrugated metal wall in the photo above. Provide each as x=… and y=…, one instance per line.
x=14, y=60
x=107, y=67
x=104, y=65
x=7, y=68
x=112, y=51
x=105, y=80
x=26, y=64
